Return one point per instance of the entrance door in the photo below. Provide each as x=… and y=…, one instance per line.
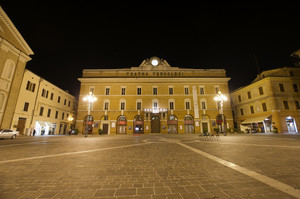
x=105, y=128
x=21, y=125
x=155, y=123
x=290, y=122
x=204, y=127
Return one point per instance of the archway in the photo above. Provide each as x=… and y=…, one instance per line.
x=121, y=124
x=172, y=124
x=138, y=124
x=189, y=124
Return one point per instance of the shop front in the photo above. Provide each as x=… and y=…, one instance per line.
x=189, y=124
x=121, y=124
x=44, y=128
x=138, y=123
x=291, y=125
x=172, y=124
x=262, y=124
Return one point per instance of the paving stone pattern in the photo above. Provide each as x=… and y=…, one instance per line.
x=155, y=170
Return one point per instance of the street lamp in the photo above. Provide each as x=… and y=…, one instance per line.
x=220, y=97
x=221, y=120
x=90, y=98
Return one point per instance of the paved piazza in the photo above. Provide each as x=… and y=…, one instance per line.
x=150, y=166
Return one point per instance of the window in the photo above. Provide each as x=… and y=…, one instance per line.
x=139, y=91
x=239, y=98
x=286, y=105
x=154, y=90
x=261, y=91
x=138, y=105
x=217, y=89
x=8, y=70
x=295, y=87
x=49, y=113
x=107, y=91
x=249, y=94
x=297, y=104
x=41, y=111
x=51, y=96
x=242, y=111
x=26, y=105
x=123, y=91
x=187, y=105
x=203, y=105
x=251, y=109
x=122, y=106
x=69, y=104
x=43, y=93
x=291, y=73
x=264, y=106
x=58, y=99
x=186, y=90
x=30, y=86
x=92, y=90
x=56, y=114
x=281, y=87
x=202, y=91
x=65, y=102
x=63, y=116
x=171, y=105
x=171, y=90
x=106, y=106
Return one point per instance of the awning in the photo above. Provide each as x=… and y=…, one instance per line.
x=41, y=123
x=255, y=119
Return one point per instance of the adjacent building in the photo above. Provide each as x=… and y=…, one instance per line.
x=152, y=98
x=14, y=54
x=271, y=103
x=44, y=107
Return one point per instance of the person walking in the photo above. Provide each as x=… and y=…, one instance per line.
x=33, y=134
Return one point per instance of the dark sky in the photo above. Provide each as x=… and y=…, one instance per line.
x=69, y=36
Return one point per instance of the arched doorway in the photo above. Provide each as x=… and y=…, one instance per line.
x=172, y=124
x=121, y=124
x=155, y=123
x=291, y=125
x=138, y=124
x=189, y=124
x=88, y=124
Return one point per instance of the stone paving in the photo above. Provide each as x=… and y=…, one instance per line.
x=147, y=166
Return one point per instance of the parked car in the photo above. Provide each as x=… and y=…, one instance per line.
x=8, y=133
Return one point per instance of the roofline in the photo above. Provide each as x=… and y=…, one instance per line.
x=15, y=32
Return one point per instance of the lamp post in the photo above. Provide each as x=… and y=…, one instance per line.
x=221, y=117
x=90, y=98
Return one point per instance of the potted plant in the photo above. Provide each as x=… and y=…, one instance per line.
x=100, y=131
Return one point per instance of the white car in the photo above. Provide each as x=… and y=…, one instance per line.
x=8, y=133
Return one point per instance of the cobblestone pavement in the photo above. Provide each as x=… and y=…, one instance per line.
x=149, y=166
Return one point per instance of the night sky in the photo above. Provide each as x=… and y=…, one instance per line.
x=68, y=37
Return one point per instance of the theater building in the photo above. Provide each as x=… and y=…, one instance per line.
x=152, y=98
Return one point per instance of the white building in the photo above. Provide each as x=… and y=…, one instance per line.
x=44, y=107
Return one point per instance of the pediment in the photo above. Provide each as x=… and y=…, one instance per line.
x=9, y=32
x=154, y=63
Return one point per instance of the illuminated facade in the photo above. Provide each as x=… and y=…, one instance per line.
x=152, y=98
x=270, y=103
x=44, y=107
x=14, y=54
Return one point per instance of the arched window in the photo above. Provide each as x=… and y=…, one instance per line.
x=8, y=70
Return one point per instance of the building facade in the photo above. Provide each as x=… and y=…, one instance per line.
x=14, y=54
x=152, y=98
x=271, y=103
x=44, y=107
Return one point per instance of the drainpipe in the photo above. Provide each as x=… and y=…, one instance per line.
x=35, y=102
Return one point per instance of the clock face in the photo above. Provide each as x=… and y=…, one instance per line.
x=154, y=62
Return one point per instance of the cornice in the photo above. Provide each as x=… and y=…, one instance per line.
x=16, y=33
x=156, y=80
